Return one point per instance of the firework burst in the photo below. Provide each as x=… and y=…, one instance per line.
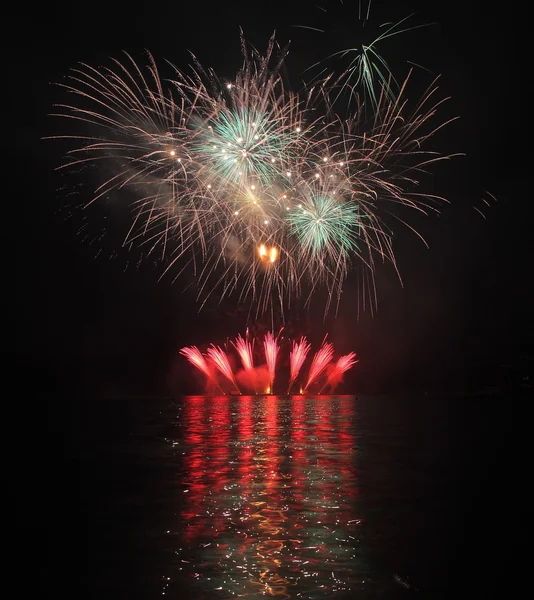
x=264, y=193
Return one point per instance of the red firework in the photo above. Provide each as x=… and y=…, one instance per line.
x=244, y=349
x=196, y=358
x=270, y=343
x=220, y=360
x=320, y=361
x=344, y=363
x=296, y=359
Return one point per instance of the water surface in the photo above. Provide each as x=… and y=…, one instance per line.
x=291, y=497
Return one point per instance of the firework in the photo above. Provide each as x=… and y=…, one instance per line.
x=362, y=74
x=220, y=360
x=343, y=364
x=270, y=344
x=265, y=193
x=196, y=358
x=320, y=361
x=244, y=349
x=296, y=359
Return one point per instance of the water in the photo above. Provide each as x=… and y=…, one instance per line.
x=323, y=497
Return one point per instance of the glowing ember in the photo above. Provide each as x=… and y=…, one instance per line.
x=268, y=254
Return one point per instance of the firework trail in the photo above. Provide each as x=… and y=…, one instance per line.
x=220, y=360
x=344, y=363
x=270, y=344
x=296, y=359
x=320, y=361
x=264, y=193
x=196, y=358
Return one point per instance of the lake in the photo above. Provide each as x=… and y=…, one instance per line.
x=291, y=497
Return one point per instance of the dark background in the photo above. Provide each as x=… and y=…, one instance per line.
x=464, y=309
x=82, y=325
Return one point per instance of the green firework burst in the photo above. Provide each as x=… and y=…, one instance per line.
x=245, y=146
x=325, y=224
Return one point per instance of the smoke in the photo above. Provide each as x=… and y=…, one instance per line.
x=254, y=381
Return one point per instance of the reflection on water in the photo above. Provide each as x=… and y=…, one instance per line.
x=270, y=487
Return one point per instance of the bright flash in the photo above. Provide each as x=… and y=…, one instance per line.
x=268, y=254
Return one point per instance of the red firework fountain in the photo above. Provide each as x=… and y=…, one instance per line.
x=343, y=364
x=260, y=376
x=321, y=360
x=220, y=360
x=195, y=357
x=244, y=349
x=270, y=343
x=296, y=359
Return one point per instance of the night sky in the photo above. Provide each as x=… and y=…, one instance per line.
x=466, y=302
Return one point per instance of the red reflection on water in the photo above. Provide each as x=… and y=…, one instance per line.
x=298, y=457
x=195, y=464
x=246, y=432
x=270, y=506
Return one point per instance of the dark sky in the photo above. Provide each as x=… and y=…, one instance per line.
x=467, y=300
